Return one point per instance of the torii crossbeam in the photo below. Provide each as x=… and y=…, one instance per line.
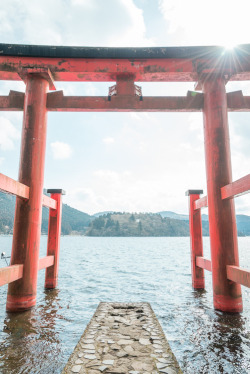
x=40, y=67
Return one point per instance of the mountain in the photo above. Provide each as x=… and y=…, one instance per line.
x=243, y=224
x=165, y=223
x=102, y=213
x=174, y=215
x=7, y=209
x=73, y=221
x=243, y=221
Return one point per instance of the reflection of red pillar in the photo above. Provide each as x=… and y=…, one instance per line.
x=27, y=225
x=198, y=280
x=222, y=221
x=55, y=217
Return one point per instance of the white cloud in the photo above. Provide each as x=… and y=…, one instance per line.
x=91, y=89
x=108, y=140
x=6, y=86
x=76, y=22
x=86, y=199
x=8, y=134
x=150, y=159
x=217, y=22
x=128, y=191
x=60, y=150
x=240, y=145
x=242, y=204
x=84, y=3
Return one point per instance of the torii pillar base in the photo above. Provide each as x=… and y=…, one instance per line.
x=222, y=219
x=27, y=225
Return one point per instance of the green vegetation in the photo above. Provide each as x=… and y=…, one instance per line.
x=7, y=209
x=137, y=224
x=73, y=221
x=114, y=224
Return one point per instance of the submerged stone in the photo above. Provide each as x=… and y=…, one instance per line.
x=127, y=339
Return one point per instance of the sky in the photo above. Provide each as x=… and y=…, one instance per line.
x=137, y=162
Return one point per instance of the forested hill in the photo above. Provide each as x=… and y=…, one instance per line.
x=138, y=224
x=114, y=224
x=73, y=220
x=153, y=224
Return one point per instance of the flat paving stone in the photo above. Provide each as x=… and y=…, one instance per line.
x=123, y=338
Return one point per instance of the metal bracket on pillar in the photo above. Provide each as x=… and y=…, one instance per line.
x=41, y=72
x=112, y=92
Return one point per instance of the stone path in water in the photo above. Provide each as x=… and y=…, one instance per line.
x=123, y=339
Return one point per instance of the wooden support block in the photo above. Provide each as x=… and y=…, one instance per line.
x=45, y=262
x=203, y=263
x=10, y=274
x=238, y=275
x=236, y=188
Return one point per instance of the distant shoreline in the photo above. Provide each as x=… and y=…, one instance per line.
x=146, y=236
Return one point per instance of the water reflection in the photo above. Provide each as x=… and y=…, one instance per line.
x=30, y=338
x=216, y=335
x=225, y=337
x=156, y=270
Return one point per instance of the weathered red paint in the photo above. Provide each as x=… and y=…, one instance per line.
x=238, y=275
x=236, y=188
x=203, y=263
x=53, y=247
x=123, y=103
x=203, y=64
x=13, y=187
x=101, y=70
x=45, y=73
x=236, y=102
x=160, y=64
x=200, y=203
x=49, y=203
x=27, y=224
x=198, y=280
x=222, y=221
x=191, y=103
x=45, y=262
x=10, y=274
x=14, y=272
x=13, y=102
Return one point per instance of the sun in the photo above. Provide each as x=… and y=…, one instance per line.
x=229, y=46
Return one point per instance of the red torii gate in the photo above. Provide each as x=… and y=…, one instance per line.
x=41, y=66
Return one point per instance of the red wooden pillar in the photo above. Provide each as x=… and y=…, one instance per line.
x=27, y=225
x=222, y=220
x=53, y=247
x=196, y=245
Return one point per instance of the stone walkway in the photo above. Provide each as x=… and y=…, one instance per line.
x=123, y=339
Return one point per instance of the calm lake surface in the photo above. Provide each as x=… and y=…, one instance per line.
x=156, y=270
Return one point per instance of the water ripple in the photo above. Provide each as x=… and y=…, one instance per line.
x=156, y=270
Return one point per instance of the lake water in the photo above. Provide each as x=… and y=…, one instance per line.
x=156, y=270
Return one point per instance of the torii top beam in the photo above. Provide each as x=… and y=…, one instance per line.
x=158, y=64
